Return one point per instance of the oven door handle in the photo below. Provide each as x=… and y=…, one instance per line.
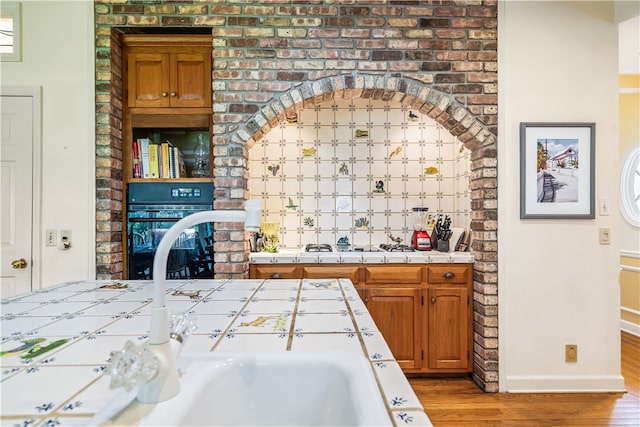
x=171, y=219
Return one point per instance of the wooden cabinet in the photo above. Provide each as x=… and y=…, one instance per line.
x=167, y=95
x=392, y=295
x=448, y=274
x=396, y=312
x=166, y=102
x=423, y=312
x=275, y=271
x=328, y=272
x=448, y=328
x=391, y=275
x=168, y=72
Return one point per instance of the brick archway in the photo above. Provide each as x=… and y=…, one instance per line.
x=441, y=107
x=460, y=122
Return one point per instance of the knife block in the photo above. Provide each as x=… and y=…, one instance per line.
x=442, y=246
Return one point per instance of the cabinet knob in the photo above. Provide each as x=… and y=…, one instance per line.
x=276, y=276
x=164, y=93
x=366, y=300
x=449, y=275
x=173, y=94
x=433, y=299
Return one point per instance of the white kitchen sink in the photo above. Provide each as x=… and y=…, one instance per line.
x=273, y=389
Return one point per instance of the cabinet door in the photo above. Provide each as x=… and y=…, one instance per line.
x=396, y=314
x=448, y=328
x=190, y=80
x=148, y=75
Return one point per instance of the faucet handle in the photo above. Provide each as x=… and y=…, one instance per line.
x=131, y=366
x=181, y=325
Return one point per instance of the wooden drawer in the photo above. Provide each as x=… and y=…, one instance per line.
x=448, y=273
x=274, y=271
x=393, y=275
x=332, y=272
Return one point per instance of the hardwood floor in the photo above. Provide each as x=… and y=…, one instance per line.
x=454, y=402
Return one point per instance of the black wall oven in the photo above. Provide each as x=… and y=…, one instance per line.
x=152, y=208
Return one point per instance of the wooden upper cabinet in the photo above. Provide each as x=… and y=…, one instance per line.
x=148, y=75
x=168, y=71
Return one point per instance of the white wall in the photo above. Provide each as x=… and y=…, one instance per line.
x=557, y=285
x=58, y=57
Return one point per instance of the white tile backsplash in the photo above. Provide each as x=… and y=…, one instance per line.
x=322, y=158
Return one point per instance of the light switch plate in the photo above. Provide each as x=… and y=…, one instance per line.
x=603, y=206
x=51, y=237
x=605, y=236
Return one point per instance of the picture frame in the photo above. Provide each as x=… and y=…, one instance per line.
x=10, y=32
x=557, y=170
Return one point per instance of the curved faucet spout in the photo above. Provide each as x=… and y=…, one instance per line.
x=250, y=216
x=166, y=383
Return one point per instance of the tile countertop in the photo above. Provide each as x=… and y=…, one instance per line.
x=299, y=256
x=56, y=342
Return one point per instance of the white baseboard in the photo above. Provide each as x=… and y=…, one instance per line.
x=632, y=328
x=564, y=384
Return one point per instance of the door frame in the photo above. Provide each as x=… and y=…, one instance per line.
x=34, y=92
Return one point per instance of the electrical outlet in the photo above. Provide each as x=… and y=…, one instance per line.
x=65, y=239
x=571, y=353
x=605, y=236
x=51, y=237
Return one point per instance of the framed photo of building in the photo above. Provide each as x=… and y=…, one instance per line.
x=557, y=170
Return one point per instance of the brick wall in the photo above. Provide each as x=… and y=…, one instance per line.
x=272, y=58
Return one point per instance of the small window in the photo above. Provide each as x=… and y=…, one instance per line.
x=630, y=187
x=10, y=31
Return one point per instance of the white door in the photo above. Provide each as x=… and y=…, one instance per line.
x=16, y=184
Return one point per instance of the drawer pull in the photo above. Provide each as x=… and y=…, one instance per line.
x=449, y=275
x=276, y=276
x=433, y=299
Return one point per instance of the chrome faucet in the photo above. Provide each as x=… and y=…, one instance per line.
x=154, y=368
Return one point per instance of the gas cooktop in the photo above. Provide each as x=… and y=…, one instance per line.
x=318, y=248
x=384, y=247
x=395, y=248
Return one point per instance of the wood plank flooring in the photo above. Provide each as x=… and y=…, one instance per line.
x=455, y=402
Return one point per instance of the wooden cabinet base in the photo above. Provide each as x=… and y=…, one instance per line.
x=423, y=312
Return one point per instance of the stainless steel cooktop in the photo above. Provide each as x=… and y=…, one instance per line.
x=384, y=247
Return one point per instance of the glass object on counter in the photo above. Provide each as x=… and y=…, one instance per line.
x=201, y=158
x=420, y=239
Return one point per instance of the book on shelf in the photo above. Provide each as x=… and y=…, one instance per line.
x=143, y=150
x=182, y=168
x=164, y=159
x=135, y=159
x=157, y=160
x=154, y=161
x=173, y=162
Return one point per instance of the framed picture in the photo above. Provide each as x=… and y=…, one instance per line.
x=557, y=170
x=10, y=35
